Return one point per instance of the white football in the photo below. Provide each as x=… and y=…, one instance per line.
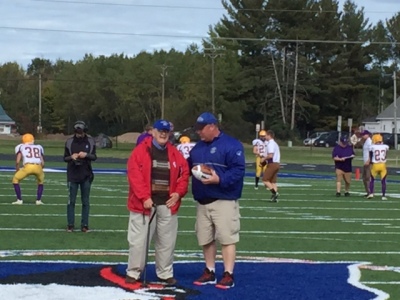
x=201, y=172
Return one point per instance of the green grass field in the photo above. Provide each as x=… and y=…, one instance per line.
x=309, y=223
x=296, y=154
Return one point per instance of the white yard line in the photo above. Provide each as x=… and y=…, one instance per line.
x=181, y=216
x=382, y=282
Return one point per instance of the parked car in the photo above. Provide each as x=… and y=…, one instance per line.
x=329, y=139
x=390, y=141
x=311, y=139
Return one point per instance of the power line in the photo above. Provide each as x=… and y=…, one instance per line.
x=318, y=10
x=276, y=40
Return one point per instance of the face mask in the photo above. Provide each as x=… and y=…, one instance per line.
x=78, y=131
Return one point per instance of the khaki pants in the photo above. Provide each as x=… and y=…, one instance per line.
x=164, y=228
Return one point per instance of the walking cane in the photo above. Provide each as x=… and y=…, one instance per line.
x=144, y=284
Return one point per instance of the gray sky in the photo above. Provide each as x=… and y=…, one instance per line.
x=147, y=24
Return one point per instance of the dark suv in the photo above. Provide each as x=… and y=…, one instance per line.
x=390, y=141
x=329, y=139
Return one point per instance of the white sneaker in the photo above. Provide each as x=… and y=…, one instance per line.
x=370, y=196
x=39, y=202
x=19, y=202
x=384, y=198
x=256, y=187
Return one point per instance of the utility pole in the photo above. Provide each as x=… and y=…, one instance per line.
x=395, y=108
x=213, y=54
x=163, y=74
x=39, y=128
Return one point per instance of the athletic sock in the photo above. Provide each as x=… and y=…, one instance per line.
x=17, y=189
x=39, y=191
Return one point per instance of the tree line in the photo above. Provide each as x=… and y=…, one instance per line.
x=294, y=64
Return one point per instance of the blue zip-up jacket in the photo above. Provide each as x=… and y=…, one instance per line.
x=226, y=156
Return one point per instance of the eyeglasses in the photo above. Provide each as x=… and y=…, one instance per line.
x=163, y=131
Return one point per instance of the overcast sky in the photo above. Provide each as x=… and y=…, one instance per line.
x=146, y=24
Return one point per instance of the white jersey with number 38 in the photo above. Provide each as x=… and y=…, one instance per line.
x=31, y=154
x=379, y=153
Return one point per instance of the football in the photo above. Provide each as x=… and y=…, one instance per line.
x=201, y=172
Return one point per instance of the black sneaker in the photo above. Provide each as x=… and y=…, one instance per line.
x=346, y=194
x=274, y=198
x=70, y=228
x=226, y=282
x=85, y=229
x=337, y=194
x=208, y=277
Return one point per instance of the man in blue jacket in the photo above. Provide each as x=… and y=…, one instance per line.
x=218, y=217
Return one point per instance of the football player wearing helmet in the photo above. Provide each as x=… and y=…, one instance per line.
x=259, y=150
x=378, y=152
x=32, y=158
x=185, y=146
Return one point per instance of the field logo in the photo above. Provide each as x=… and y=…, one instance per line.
x=272, y=279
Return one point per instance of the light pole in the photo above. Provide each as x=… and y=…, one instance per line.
x=395, y=108
x=163, y=74
x=213, y=55
x=39, y=128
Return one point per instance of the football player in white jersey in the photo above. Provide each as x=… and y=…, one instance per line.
x=32, y=159
x=185, y=146
x=259, y=150
x=378, y=152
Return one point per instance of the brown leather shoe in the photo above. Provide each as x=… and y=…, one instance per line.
x=169, y=281
x=129, y=279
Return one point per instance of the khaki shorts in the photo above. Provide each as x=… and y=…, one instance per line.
x=271, y=173
x=343, y=175
x=219, y=221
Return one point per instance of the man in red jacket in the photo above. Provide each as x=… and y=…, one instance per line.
x=158, y=175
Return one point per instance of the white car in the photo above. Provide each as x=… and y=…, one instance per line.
x=311, y=139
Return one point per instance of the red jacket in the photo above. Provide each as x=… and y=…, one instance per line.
x=139, y=176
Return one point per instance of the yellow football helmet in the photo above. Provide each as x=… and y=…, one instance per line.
x=262, y=133
x=184, y=140
x=28, y=139
x=377, y=138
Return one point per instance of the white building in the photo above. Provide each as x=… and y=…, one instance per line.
x=384, y=122
x=6, y=123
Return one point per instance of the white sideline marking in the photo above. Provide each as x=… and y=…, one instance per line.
x=282, y=184
x=193, y=252
x=382, y=282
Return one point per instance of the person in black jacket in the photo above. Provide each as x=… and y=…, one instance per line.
x=80, y=151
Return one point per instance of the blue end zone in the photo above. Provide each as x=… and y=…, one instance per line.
x=254, y=280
